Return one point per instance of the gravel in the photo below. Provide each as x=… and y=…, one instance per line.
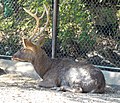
x=15, y=88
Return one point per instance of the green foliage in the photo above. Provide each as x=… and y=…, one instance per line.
x=10, y=46
x=8, y=7
x=75, y=25
x=76, y=31
x=17, y=25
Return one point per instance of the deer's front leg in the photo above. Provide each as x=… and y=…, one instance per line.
x=46, y=84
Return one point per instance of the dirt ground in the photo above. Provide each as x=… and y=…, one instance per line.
x=15, y=88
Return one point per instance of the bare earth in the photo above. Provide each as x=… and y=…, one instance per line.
x=15, y=88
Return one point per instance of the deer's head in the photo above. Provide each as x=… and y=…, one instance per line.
x=30, y=50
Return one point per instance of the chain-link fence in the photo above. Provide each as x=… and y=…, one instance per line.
x=88, y=29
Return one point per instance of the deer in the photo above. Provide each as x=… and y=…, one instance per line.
x=60, y=73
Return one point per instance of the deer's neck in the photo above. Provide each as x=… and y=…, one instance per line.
x=42, y=63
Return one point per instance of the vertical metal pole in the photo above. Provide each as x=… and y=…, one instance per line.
x=55, y=26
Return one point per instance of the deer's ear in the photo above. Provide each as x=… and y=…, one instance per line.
x=28, y=44
x=41, y=40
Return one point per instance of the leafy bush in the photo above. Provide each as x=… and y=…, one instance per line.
x=77, y=33
x=75, y=27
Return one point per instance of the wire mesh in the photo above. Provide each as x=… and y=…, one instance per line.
x=88, y=29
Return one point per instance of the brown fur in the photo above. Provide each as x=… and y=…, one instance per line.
x=64, y=73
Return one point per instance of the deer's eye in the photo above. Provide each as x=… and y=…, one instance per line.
x=22, y=50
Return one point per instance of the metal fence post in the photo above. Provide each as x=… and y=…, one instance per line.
x=55, y=25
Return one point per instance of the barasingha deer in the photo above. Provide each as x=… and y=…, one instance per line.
x=65, y=74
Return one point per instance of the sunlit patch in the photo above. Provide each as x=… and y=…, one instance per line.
x=77, y=75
